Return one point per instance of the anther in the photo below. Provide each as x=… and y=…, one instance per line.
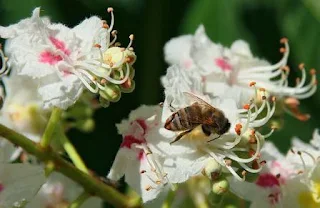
x=228, y=162
x=130, y=48
x=143, y=171
x=103, y=81
x=158, y=182
x=97, y=45
x=282, y=50
x=313, y=71
x=122, y=49
x=278, y=175
x=252, y=139
x=273, y=99
x=301, y=66
x=283, y=40
x=114, y=33
x=110, y=9
x=246, y=106
x=263, y=162
x=244, y=173
x=299, y=153
x=262, y=89
x=292, y=151
x=253, y=132
x=148, y=188
x=252, y=84
x=285, y=68
x=300, y=172
x=263, y=97
x=131, y=37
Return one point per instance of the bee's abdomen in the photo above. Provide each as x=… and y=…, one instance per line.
x=178, y=121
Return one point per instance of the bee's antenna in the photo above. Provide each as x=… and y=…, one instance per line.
x=214, y=139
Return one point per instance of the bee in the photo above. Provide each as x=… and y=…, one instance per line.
x=200, y=113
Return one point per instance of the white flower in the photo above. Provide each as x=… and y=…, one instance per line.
x=60, y=191
x=142, y=169
x=286, y=181
x=63, y=59
x=227, y=71
x=22, y=108
x=18, y=182
x=189, y=156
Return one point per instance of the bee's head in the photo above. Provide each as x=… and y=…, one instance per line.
x=224, y=128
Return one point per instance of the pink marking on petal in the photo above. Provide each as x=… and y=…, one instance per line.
x=49, y=58
x=1, y=187
x=223, y=64
x=59, y=45
x=66, y=72
x=141, y=155
x=187, y=63
x=129, y=140
x=267, y=180
x=143, y=124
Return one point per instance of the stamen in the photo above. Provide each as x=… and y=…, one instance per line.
x=131, y=37
x=110, y=10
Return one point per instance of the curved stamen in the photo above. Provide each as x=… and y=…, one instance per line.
x=131, y=37
x=85, y=77
x=3, y=69
x=110, y=10
x=114, y=34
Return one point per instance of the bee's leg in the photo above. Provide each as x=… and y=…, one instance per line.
x=172, y=109
x=214, y=138
x=180, y=136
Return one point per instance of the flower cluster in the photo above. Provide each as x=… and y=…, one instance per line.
x=227, y=71
x=63, y=60
x=286, y=181
x=216, y=98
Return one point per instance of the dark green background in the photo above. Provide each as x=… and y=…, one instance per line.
x=261, y=23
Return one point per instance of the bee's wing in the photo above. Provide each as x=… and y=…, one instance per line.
x=194, y=98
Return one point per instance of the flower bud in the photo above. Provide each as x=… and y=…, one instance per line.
x=128, y=86
x=86, y=125
x=212, y=169
x=220, y=186
x=103, y=102
x=111, y=92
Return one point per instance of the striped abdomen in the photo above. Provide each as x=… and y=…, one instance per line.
x=181, y=120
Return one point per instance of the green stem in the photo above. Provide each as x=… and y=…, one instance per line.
x=80, y=200
x=90, y=184
x=52, y=123
x=73, y=154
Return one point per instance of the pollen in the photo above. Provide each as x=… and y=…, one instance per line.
x=110, y=9
x=252, y=84
x=131, y=37
x=97, y=45
x=262, y=89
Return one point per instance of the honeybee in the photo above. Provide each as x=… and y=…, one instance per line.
x=211, y=119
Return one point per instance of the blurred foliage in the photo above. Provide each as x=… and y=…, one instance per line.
x=260, y=22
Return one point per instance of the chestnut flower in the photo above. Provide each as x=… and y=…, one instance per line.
x=142, y=169
x=286, y=181
x=226, y=71
x=190, y=155
x=64, y=60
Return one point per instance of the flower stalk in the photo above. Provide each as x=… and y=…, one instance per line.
x=73, y=154
x=52, y=124
x=90, y=184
